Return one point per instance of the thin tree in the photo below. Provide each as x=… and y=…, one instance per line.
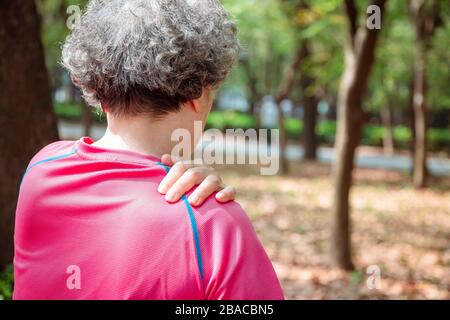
x=27, y=121
x=388, y=136
x=284, y=92
x=309, y=102
x=252, y=85
x=86, y=118
x=425, y=15
x=359, y=60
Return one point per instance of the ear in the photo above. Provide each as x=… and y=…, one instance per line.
x=104, y=107
x=196, y=105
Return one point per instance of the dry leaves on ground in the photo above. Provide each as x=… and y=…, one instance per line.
x=405, y=232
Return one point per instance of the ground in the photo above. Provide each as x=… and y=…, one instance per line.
x=405, y=232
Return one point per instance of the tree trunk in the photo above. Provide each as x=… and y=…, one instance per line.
x=332, y=108
x=388, y=137
x=87, y=118
x=412, y=122
x=348, y=137
x=268, y=76
x=284, y=92
x=27, y=121
x=284, y=165
x=350, y=123
x=420, y=119
x=74, y=93
x=309, y=129
x=252, y=89
x=309, y=102
x=359, y=59
x=426, y=17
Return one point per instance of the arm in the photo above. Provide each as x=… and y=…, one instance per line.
x=235, y=265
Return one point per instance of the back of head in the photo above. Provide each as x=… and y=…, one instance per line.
x=150, y=56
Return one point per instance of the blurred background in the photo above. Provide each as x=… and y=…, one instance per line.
x=361, y=206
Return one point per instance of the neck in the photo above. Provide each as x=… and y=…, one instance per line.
x=142, y=134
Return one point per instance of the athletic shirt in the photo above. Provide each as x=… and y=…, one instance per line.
x=90, y=224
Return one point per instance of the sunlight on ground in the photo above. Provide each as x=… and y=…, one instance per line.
x=403, y=231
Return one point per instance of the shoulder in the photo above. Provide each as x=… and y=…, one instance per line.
x=229, y=214
x=54, y=150
x=222, y=220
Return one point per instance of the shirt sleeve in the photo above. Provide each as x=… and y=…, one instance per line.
x=235, y=265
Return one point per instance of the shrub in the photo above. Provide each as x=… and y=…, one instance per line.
x=7, y=283
x=230, y=120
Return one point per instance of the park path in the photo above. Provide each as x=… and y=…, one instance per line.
x=365, y=158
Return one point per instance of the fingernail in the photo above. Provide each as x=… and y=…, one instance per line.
x=193, y=200
x=170, y=197
x=162, y=190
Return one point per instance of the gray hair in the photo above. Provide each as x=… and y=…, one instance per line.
x=150, y=55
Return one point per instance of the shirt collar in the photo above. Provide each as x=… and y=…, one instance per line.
x=86, y=149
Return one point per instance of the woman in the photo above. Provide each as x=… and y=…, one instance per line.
x=90, y=222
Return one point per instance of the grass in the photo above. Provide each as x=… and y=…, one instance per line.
x=406, y=233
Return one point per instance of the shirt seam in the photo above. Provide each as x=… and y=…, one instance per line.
x=49, y=159
x=194, y=230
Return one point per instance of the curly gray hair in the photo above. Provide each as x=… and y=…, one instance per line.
x=150, y=56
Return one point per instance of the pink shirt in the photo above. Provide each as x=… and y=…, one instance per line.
x=90, y=224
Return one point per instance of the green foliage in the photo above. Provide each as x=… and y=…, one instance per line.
x=323, y=24
x=439, y=70
x=439, y=139
x=293, y=127
x=271, y=31
x=68, y=111
x=268, y=41
x=7, y=283
x=73, y=112
x=391, y=80
x=326, y=130
x=230, y=120
x=356, y=277
x=54, y=26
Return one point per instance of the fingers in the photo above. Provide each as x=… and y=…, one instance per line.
x=172, y=176
x=211, y=184
x=183, y=176
x=227, y=194
x=185, y=183
x=169, y=160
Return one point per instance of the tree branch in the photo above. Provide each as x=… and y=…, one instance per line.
x=287, y=84
x=365, y=44
x=352, y=15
